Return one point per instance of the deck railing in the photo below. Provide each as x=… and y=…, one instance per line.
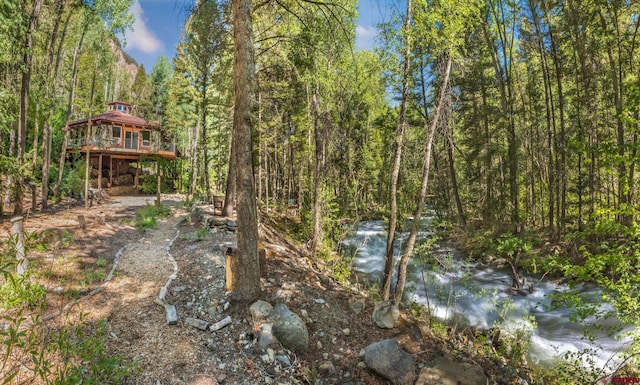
x=97, y=143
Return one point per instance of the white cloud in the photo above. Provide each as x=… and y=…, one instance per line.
x=365, y=37
x=141, y=38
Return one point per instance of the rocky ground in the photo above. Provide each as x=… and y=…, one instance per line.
x=189, y=262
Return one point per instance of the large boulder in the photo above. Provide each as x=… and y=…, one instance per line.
x=386, y=314
x=387, y=359
x=289, y=328
x=443, y=371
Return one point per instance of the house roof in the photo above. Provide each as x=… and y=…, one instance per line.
x=115, y=117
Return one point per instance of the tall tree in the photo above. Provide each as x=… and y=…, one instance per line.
x=24, y=98
x=160, y=78
x=205, y=44
x=245, y=268
x=395, y=169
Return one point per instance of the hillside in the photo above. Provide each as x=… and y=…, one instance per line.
x=337, y=316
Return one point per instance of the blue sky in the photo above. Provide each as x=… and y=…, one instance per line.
x=156, y=30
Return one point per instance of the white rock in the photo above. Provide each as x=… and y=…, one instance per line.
x=271, y=354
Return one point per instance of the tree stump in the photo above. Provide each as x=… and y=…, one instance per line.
x=82, y=222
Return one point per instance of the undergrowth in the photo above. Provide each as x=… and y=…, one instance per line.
x=36, y=351
x=147, y=217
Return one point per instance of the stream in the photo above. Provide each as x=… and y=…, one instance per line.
x=475, y=294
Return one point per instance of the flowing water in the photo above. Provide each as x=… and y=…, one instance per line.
x=475, y=294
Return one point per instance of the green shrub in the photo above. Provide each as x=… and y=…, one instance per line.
x=16, y=292
x=87, y=360
x=72, y=184
x=147, y=216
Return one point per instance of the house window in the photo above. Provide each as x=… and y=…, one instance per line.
x=120, y=107
x=116, y=137
x=146, y=138
x=131, y=140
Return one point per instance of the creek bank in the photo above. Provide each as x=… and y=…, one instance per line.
x=337, y=317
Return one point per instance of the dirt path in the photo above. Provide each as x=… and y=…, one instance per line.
x=166, y=354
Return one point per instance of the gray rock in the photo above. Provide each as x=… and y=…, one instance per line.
x=196, y=215
x=171, y=314
x=260, y=310
x=217, y=221
x=197, y=323
x=386, y=314
x=284, y=359
x=327, y=366
x=443, y=371
x=266, y=337
x=357, y=307
x=388, y=360
x=289, y=328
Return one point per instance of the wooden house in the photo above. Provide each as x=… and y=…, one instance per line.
x=114, y=141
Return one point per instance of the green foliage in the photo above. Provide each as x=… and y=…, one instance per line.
x=147, y=217
x=89, y=362
x=149, y=184
x=512, y=246
x=49, y=239
x=72, y=184
x=17, y=292
x=198, y=235
x=35, y=352
x=101, y=262
x=341, y=269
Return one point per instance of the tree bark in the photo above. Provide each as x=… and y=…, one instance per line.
x=316, y=239
x=395, y=171
x=194, y=159
x=426, y=163
x=230, y=192
x=245, y=267
x=72, y=88
x=24, y=101
x=52, y=74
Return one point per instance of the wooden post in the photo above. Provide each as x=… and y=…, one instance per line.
x=110, y=171
x=34, y=198
x=100, y=172
x=87, y=171
x=230, y=255
x=159, y=184
x=135, y=179
x=17, y=230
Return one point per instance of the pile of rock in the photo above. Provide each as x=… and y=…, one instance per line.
x=205, y=215
x=223, y=224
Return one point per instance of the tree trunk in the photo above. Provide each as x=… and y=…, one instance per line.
x=194, y=159
x=52, y=75
x=230, y=192
x=316, y=238
x=426, y=162
x=205, y=144
x=24, y=102
x=454, y=179
x=395, y=171
x=72, y=88
x=245, y=267
x=616, y=81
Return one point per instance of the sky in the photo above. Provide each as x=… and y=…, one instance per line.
x=156, y=30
